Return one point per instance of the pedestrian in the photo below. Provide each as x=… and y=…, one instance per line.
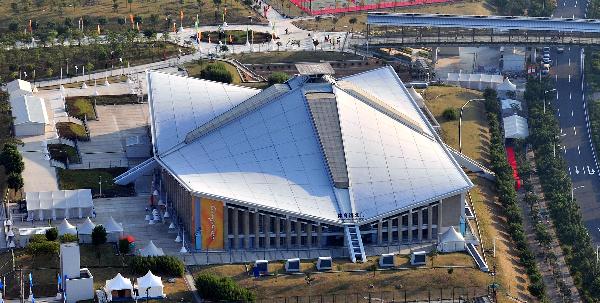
x=286, y=31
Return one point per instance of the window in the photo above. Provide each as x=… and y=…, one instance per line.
x=261, y=223
x=425, y=216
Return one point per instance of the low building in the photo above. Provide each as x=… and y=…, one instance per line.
x=30, y=116
x=314, y=163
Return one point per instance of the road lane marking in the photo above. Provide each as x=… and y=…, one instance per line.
x=571, y=113
x=556, y=95
x=569, y=78
x=576, y=170
x=578, y=151
x=569, y=61
x=570, y=96
x=569, y=171
x=575, y=130
x=591, y=171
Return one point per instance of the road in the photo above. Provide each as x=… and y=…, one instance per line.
x=575, y=140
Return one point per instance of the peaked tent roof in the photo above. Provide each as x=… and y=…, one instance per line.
x=112, y=226
x=506, y=85
x=66, y=228
x=118, y=283
x=180, y=105
x=28, y=109
x=18, y=85
x=272, y=151
x=149, y=280
x=151, y=250
x=451, y=235
x=86, y=228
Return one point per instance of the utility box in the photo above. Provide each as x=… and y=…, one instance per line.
x=324, y=263
x=418, y=258
x=292, y=265
x=386, y=260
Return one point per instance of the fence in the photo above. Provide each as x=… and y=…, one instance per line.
x=455, y=295
x=100, y=164
x=323, y=7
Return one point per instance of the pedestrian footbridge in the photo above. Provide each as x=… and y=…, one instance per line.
x=436, y=29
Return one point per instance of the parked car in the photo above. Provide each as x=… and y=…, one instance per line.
x=546, y=50
x=560, y=50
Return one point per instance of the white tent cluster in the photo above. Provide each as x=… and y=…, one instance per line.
x=113, y=229
x=506, y=88
x=28, y=110
x=151, y=250
x=121, y=286
x=59, y=204
x=148, y=286
x=66, y=228
x=85, y=229
x=474, y=81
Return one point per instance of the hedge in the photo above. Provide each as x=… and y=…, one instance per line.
x=163, y=265
x=213, y=288
x=505, y=185
x=42, y=248
x=556, y=183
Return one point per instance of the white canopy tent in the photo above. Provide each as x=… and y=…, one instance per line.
x=451, y=241
x=150, y=286
x=474, y=81
x=114, y=230
x=515, y=127
x=118, y=288
x=85, y=229
x=59, y=204
x=26, y=233
x=66, y=228
x=510, y=104
x=151, y=250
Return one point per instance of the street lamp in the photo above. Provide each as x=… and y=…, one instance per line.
x=100, y=183
x=460, y=123
x=573, y=191
x=545, y=92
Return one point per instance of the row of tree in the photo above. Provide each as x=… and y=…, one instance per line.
x=533, y=8
x=556, y=183
x=505, y=185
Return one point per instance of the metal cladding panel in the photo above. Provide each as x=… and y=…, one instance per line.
x=275, y=162
x=386, y=86
x=390, y=165
x=180, y=105
x=487, y=22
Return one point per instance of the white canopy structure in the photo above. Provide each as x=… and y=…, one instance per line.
x=59, y=204
x=114, y=230
x=451, y=241
x=66, y=228
x=150, y=286
x=506, y=86
x=85, y=229
x=26, y=233
x=30, y=115
x=510, y=104
x=151, y=250
x=474, y=81
x=118, y=286
x=515, y=127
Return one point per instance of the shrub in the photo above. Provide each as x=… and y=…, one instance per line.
x=278, y=77
x=52, y=234
x=11, y=159
x=124, y=246
x=66, y=238
x=163, y=265
x=216, y=72
x=450, y=114
x=99, y=235
x=42, y=248
x=37, y=239
x=14, y=181
x=211, y=287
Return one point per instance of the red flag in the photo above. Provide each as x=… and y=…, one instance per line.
x=199, y=34
x=230, y=39
x=174, y=27
x=181, y=15
x=131, y=20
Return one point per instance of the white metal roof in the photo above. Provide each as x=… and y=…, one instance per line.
x=510, y=104
x=28, y=109
x=180, y=105
x=485, y=22
x=272, y=157
x=86, y=228
x=118, y=283
x=61, y=199
x=515, y=126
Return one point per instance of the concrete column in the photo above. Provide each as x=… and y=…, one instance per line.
x=236, y=236
x=430, y=222
x=400, y=229
x=309, y=234
x=298, y=233
x=256, y=230
x=379, y=232
x=389, y=231
x=420, y=225
x=246, y=227
x=225, y=226
x=277, y=221
x=410, y=225
x=439, y=220
x=267, y=230
x=319, y=235
x=288, y=233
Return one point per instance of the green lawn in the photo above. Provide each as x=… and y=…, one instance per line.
x=81, y=108
x=72, y=131
x=293, y=57
x=62, y=152
x=115, y=99
x=90, y=178
x=238, y=37
x=194, y=69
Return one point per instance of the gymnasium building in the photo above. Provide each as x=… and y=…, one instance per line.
x=314, y=163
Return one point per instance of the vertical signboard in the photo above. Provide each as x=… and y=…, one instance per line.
x=211, y=212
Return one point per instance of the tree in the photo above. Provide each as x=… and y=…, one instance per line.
x=124, y=246
x=11, y=159
x=433, y=254
x=450, y=114
x=278, y=77
x=52, y=234
x=99, y=235
x=14, y=181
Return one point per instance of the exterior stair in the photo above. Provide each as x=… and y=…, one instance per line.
x=355, y=245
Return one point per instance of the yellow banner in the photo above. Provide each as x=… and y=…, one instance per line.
x=211, y=212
